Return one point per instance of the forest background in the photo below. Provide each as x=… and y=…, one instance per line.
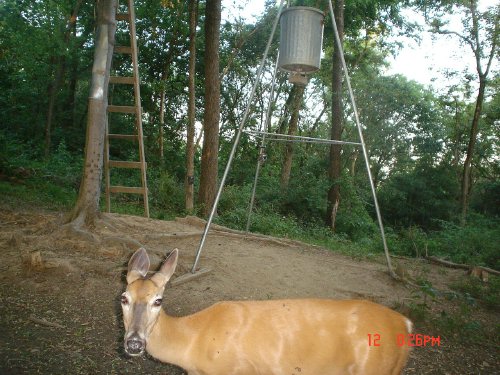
x=418, y=139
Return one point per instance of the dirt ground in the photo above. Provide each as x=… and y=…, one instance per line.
x=59, y=290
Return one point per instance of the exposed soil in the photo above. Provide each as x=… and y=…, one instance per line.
x=59, y=291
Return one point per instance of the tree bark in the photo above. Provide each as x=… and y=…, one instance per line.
x=285, y=113
x=174, y=40
x=334, y=171
x=86, y=209
x=298, y=94
x=466, y=174
x=189, y=180
x=209, y=158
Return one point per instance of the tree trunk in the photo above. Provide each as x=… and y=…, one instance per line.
x=334, y=171
x=86, y=209
x=285, y=114
x=174, y=40
x=298, y=93
x=162, y=122
x=466, y=174
x=209, y=162
x=189, y=181
x=55, y=85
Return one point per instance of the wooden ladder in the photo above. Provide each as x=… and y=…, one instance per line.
x=135, y=110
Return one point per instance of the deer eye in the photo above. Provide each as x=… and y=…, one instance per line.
x=157, y=302
x=124, y=299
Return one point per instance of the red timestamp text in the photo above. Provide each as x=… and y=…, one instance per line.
x=410, y=339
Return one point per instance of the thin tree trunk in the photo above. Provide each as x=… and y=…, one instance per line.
x=286, y=112
x=209, y=158
x=298, y=94
x=164, y=77
x=354, y=159
x=457, y=137
x=334, y=172
x=466, y=174
x=162, y=122
x=189, y=181
x=86, y=209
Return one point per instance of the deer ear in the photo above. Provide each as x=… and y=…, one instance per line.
x=167, y=269
x=138, y=265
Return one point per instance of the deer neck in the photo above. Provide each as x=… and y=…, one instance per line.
x=170, y=340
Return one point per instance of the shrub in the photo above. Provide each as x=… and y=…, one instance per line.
x=476, y=243
x=167, y=194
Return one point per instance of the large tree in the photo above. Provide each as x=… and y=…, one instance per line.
x=298, y=94
x=374, y=19
x=209, y=157
x=480, y=33
x=86, y=209
x=335, y=169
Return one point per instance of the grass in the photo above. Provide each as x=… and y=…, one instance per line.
x=38, y=193
x=464, y=316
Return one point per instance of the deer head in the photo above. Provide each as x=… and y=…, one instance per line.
x=141, y=301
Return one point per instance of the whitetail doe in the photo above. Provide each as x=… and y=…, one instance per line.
x=283, y=337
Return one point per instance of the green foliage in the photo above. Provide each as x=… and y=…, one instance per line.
x=476, y=243
x=353, y=217
x=29, y=179
x=167, y=194
x=487, y=293
x=460, y=318
x=486, y=198
x=411, y=241
x=419, y=197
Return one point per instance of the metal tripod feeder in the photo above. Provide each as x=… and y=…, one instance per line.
x=301, y=37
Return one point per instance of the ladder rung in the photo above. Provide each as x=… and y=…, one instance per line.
x=123, y=49
x=122, y=80
x=126, y=189
x=130, y=137
x=126, y=164
x=123, y=17
x=121, y=108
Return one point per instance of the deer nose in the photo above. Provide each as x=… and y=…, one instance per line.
x=134, y=345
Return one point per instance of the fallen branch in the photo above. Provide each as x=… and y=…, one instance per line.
x=490, y=270
x=449, y=264
x=44, y=322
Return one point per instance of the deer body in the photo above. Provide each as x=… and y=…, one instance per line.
x=282, y=337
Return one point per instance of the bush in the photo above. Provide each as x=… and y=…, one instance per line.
x=167, y=194
x=476, y=243
x=353, y=218
x=419, y=197
x=412, y=241
x=234, y=198
x=486, y=198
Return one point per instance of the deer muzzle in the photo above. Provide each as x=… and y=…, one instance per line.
x=135, y=345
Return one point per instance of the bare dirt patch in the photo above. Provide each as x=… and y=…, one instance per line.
x=61, y=314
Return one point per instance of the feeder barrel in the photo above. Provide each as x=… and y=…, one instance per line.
x=301, y=36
